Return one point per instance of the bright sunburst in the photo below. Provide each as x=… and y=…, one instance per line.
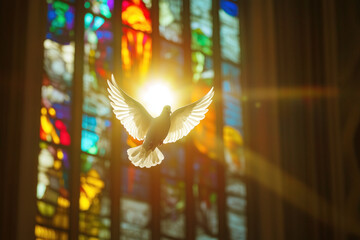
x=155, y=96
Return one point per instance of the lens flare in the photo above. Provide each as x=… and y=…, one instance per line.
x=155, y=95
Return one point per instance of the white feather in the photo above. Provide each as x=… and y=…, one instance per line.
x=184, y=119
x=142, y=158
x=131, y=113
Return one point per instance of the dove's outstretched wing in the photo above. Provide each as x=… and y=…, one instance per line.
x=131, y=113
x=184, y=119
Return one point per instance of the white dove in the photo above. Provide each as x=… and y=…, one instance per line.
x=165, y=128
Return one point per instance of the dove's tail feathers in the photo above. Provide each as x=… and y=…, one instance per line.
x=142, y=158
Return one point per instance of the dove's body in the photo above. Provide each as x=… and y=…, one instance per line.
x=154, y=131
x=147, y=154
x=158, y=130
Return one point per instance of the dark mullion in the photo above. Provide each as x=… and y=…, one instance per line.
x=116, y=141
x=76, y=121
x=155, y=171
x=190, y=217
x=223, y=232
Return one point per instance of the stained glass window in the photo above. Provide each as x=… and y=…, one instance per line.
x=135, y=193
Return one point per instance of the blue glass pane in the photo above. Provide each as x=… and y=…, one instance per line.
x=92, y=143
x=98, y=64
x=100, y=7
x=232, y=96
x=60, y=25
x=237, y=226
x=229, y=31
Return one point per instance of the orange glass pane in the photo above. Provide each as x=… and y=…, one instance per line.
x=136, y=15
x=205, y=132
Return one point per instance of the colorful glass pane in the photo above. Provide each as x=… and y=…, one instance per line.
x=135, y=219
x=129, y=231
x=42, y=232
x=237, y=226
x=135, y=183
x=229, y=31
x=96, y=135
x=136, y=55
x=202, y=67
x=205, y=140
x=100, y=7
x=206, y=212
x=53, y=130
x=235, y=187
x=201, y=25
x=59, y=66
x=94, y=202
x=173, y=208
x=98, y=64
x=170, y=26
x=136, y=14
x=53, y=186
x=233, y=139
x=92, y=143
x=96, y=104
x=96, y=124
x=60, y=25
x=236, y=204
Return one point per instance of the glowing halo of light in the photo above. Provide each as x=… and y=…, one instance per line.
x=155, y=95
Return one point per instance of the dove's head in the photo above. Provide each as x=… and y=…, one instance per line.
x=167, y=109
